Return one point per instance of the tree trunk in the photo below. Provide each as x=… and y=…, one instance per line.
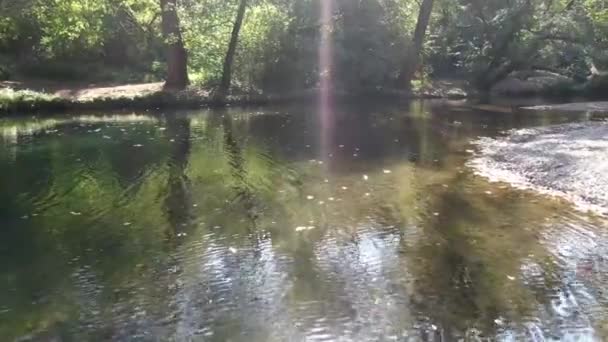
x=177, y=58
x=229, y=60
x=413, y=59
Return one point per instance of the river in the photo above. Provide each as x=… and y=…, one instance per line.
x=270, y=224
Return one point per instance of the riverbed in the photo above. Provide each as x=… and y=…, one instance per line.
x=368, y=222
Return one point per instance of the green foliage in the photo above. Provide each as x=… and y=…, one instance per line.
x=487, y=40
x=44, y=35
x=481, y=41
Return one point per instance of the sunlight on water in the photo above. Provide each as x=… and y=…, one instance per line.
x=240, y=225
x=561, y=160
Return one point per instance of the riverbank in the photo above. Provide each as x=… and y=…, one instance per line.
x=40, y=96
x=134, y=96
x=600, y=107
x=19, y=97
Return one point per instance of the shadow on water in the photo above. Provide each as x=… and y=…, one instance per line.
x=242, y=189
x=234, y=225
x=177, y=202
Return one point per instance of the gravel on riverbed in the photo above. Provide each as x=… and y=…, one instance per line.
x=569, y=161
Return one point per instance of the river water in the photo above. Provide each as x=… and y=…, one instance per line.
x=273, y=225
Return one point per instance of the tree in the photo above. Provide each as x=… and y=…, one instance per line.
x=177, y=58
x=229, y=60
x=413, y=59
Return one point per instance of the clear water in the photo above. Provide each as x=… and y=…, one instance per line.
x=260, y=225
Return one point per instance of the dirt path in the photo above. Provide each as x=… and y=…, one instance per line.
x=84, y=92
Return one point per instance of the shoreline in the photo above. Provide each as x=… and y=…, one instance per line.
x=41, y=103
x=26, y=98
x=16, y=97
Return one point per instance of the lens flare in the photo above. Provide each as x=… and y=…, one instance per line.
x=325, y=76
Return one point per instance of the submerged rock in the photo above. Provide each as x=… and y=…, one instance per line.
x=569, y=161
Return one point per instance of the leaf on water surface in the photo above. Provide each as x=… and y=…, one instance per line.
x=499, y=321
x=304, y=228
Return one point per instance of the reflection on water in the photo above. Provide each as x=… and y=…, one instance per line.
x=258, y=225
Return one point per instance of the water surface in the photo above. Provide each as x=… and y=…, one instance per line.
x=266, y=225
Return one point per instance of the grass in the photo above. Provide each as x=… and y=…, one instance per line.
x=17, y=100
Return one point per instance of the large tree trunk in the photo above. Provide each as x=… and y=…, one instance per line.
x=413, y=59
x=177, y=58
x=229, y=60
